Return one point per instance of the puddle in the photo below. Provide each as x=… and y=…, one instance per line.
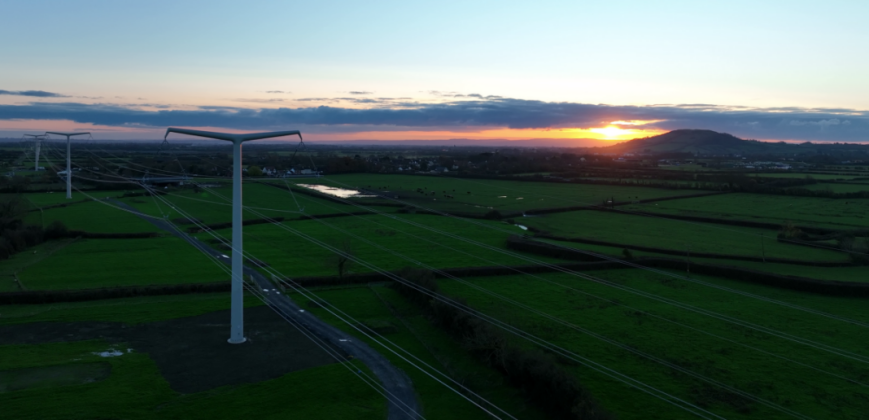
x=502, y=196
x=334, y=191
x=110, y=353
x=520, y=198
x=523, y=227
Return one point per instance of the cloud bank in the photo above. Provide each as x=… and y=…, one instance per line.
x=485, y=112
x=35, y=93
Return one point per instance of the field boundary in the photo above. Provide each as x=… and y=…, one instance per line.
x=732, y=222
x=803, y=284
x=81, y=295
x=55, y=206
x=699, y=254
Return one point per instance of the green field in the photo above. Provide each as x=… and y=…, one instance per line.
x=504, y=196
x=347, y=396
x=744, y=368
x=212, y=204
x=135, y=390
x=134, y=310
x=837, y=188
x=52, y=198
x=292, y=255
x=78, y=385
x=381, y=306
x=830, y=177
x=93, y=263
x=821, y=212
x=92, y=216
x=854, y=273
x=677, y=235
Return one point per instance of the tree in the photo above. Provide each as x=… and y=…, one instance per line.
x=254, y=171
x=342, y=259
x=19, y=183
x=791, y=231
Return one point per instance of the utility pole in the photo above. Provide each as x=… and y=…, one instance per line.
x=68, y=164
x=762, y=248
x=236, y=334
x=688, y=261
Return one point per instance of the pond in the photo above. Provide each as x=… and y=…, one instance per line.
x=334, y=191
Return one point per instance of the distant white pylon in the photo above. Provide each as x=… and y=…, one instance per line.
x=68, y=164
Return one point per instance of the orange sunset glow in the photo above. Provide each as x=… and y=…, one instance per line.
x=609, y=132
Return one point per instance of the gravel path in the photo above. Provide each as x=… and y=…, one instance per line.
x=402, y=401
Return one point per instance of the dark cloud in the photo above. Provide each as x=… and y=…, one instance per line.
x=786, y=124
x=359, y=92
x=255, y=100
x=36, y=93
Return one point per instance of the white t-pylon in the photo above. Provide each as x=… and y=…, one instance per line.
x=68, y=164
x=236, y=333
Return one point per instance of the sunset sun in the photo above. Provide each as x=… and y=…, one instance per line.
x=611, y=132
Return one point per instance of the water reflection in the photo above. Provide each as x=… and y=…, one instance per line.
x=334, y=191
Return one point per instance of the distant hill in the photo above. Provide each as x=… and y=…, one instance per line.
x=690, y=141
x=708, y=142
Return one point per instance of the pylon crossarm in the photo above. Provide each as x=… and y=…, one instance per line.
x=230, y=136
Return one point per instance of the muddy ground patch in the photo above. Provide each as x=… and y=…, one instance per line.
x=192, y=353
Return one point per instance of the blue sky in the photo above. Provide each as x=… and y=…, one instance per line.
x=769, y=70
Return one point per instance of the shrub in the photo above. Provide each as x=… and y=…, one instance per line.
x=56, y=230
x=543, y=381
x=857, y=248
x=790, y=231
x=492, y=215
x=628, y=254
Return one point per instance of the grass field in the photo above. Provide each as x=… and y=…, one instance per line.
x=135, y=390
x=212, y=205
x=381, y=306
x=832, y=177
x=855, y=273
x=93, y=263
x=821, y=212
x=781, y=371
x=837, y=188
x=92, y=216
x=10, y=268
x=295, y=256
x=134, y=310
x=51, y=198
x=752, y=371
x=504, y=196
x=675, y=235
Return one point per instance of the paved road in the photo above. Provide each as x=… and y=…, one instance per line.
x=402, y=401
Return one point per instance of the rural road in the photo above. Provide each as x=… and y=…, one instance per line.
x=401, y=397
